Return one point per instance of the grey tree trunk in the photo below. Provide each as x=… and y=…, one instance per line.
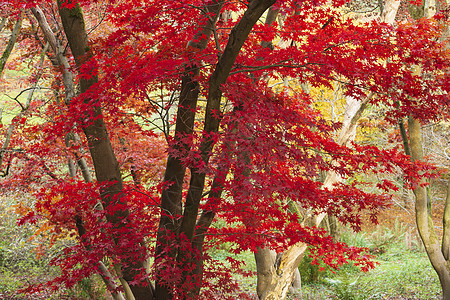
x=11, y=43
x=437, y=252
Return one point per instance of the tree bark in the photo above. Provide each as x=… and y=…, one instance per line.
x=11, y=43
x=236, y=40
x=274, y=279
x=61, y=61
x=171, y=196
x=105, y=163
x=435, y=251
x=237, y=37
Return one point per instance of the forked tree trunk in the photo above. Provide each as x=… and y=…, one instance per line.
x=171, y=197
x=437, y=253
x=276, y=272
x=188, y=222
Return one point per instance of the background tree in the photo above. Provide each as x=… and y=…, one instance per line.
x=436, y=248
x=239, y=150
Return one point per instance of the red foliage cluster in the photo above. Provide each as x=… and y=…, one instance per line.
x=272, y=147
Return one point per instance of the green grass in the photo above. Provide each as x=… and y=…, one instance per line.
x=401, y=273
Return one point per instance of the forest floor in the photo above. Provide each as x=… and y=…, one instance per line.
x=403, y=270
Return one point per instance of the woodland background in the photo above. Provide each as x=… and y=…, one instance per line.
x=224, y=150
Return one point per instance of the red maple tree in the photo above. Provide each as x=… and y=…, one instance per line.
x=236, y=150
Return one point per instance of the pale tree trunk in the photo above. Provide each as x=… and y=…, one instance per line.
x=62, y=62
x=11, y=43
x=265, y=257
x=276, y=273
x=390, y=11
x=437, y=252
x=271, y=285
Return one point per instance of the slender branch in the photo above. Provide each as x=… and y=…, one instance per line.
x=11, y=43
x=24, y=108
x=3, y=23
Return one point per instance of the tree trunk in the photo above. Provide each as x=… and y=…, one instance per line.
x=105, y=163
x=171, y=197
x=71, y=137
x=11, y=43
x=276, y=272
x=237, y=37
x=335, y=230
x=437, y=253
x=275, y=277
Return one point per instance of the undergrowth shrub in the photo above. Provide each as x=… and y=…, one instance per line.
x=25, y=260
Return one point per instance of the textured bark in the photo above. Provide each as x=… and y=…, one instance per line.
x=57, y=49
x=265, y=263
x=206, y=218
x=297, y=283
x=11, y=43
x=236, y=39
x=68, y=82
x=204, y=222
x=105, y=163
x=275, y=276
x=435, y=251
x=334, y=227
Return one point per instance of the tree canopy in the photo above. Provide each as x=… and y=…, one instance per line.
x=189, y=112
